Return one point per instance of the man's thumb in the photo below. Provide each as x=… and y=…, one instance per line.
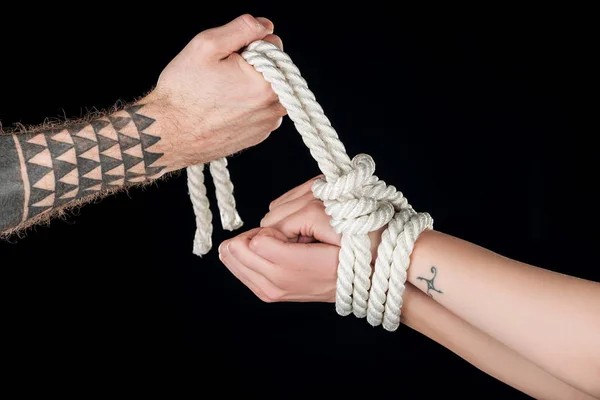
x=240, y=32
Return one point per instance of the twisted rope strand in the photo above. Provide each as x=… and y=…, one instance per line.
x=298, y=107
x=230, y=219
x=357, y=201
x=197, y=192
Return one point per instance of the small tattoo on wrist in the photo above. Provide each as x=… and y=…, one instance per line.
x=430, y=282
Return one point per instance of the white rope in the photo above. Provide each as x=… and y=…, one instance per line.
x=230, y=219
x=357, y=200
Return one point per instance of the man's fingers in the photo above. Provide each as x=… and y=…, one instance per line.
x=274, y=39
x=220, y=42
x=286, y=209
x=279, y=109
x=266, y=23
x=294, y=193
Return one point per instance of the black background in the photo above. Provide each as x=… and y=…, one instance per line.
x=480, y=121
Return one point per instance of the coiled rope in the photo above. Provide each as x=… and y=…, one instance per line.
x=357, y=200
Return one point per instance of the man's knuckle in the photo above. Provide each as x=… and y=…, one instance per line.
x=262, y=134
x=275, y=123
x=249, y=23
x=265, y=93
x=205, y=41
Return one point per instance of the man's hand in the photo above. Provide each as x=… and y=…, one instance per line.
x=219, y=103
x=208, y=103
x=294, y=255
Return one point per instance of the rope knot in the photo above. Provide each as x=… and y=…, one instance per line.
x=351, y=201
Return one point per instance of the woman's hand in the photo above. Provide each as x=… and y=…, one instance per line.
x=293, y=256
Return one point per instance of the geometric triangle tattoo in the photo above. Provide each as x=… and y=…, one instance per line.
x=65, y=163
x=130, y=161
x=58, y=148
x=127, y=142
x=105, y=143
x=119, y=122
x=142, y=122
x=148, y=140
x=31, y=149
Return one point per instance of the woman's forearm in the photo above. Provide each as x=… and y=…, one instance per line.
x=426, y=316
x=549, y=318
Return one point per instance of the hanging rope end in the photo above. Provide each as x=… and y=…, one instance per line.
x=202, y=245
x=231, y=220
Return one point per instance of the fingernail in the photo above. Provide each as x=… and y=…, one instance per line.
x=266, y=23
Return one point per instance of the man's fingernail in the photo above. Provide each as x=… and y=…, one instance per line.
x=266, y=23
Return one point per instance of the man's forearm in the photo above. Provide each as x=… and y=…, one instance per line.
x=428, y=317
x=53, y=167
x=548, y=318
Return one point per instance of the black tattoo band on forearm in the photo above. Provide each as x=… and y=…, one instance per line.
x=50, y=168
